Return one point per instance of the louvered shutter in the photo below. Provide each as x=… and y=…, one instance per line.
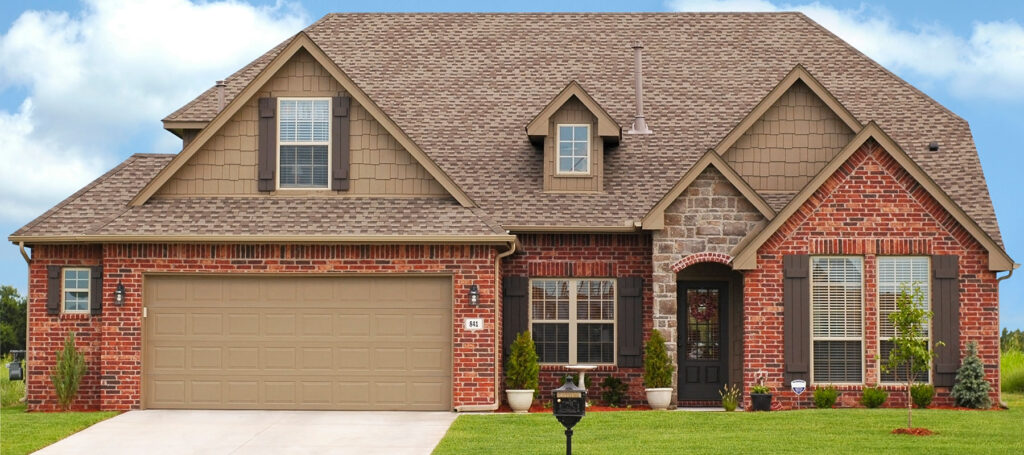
x=96, y=290
x=53, y=289
x=796, y=302
x=630, y=321
x=946, y=322
x=340, y=144
x=267, y=154
x=515, y=307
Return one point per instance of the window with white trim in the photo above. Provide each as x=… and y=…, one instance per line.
x=304, y=135
x=76, y=283
x=573, y=320
x=837, y=320
x=573, y=149
x=894, y=274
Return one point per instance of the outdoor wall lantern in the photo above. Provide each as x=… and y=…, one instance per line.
x=119, y=295
x=474, y=295
x=569, y=403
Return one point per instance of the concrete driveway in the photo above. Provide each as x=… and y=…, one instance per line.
x=271, y=432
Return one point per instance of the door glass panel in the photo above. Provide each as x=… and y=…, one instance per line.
x=702, y=328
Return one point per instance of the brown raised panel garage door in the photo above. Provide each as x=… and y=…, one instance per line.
x=278, y=342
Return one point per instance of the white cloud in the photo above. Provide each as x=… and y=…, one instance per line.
x=100, y=81
x=989, y=63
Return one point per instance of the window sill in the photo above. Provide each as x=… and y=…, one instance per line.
x=563, y=367
x=74, y=316
x=574, y=176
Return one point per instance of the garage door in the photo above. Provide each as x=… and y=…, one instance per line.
x=297, y=343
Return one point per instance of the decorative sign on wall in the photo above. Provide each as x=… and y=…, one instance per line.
x=474, y=323
x=799, y=385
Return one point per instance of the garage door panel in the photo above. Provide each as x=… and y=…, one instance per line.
x=298, y=343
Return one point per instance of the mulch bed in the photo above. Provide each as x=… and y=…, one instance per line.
x=913, y=431
x=540, y=409
x=958, y=408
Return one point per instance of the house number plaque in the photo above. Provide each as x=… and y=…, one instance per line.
x=474, y=323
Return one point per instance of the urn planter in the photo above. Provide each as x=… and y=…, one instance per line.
x=659, y=398
x=520, y=399
x=761, y=401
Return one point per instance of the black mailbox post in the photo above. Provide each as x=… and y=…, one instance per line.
x=14, y=371
x=569, y=403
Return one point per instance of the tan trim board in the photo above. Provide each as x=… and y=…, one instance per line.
x=496, y=239
x=543, y=229
x=655, y=218
x=798, y=73
x=607, y=127
x=745, y=254
x=177, y=125
x=300, y=41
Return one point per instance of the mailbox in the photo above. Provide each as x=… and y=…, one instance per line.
x=569, y=404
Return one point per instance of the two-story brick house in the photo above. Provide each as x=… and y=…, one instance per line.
x=364, y=217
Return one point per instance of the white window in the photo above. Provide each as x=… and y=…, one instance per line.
x=573, y=149
x=895, y=274
x=837, y=320
x=304, y=135
x=573, y=320
x=76, y=290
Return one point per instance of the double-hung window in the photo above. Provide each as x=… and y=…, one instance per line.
x=76, y=290
x=896, y=274
x=304, y=137
x=573, y=320
x=837, y=319
x=574, y=149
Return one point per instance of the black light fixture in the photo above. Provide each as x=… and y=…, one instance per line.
x=933, y=146
x=474, y=295
x=119, y=295
x=569, y=404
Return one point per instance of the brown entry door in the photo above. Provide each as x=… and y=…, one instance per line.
x=702, y=339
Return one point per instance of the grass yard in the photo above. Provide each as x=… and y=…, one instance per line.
x=22, y=432
x=830, y=431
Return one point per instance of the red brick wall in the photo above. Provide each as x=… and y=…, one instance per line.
x=112, y=341
x=588, y=255
x=869, y=207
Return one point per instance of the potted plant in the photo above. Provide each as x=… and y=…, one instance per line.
x=760, y=394
x=658, y=371
x=521, y=373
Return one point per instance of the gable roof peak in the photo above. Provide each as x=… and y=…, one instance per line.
x=607, y=127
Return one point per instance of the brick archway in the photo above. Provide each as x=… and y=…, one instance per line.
x=720, y=258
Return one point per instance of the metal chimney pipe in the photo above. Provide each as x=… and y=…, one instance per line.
x=639, y=124
x=221, y=88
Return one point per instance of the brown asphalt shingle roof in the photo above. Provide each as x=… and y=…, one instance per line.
x=101, y=209
x=464, y=86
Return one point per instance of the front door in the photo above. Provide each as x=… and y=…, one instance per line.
x=702, y=339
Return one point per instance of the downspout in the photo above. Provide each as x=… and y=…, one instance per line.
x=28, y=259
x=1002, y=403
x=28, y=327
x=497, y=340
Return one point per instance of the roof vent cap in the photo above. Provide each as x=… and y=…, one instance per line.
x=933, y=146
x=639, y=124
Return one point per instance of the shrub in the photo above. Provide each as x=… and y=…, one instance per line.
x=521, y=369
x=1012, y=371
x=613, y=391
x=67, y=372
x=13, y=317
x=873, y=397
x=971, y=388
x=760, y=389
x=825, y=397
x=1011, y=341
x=922, y=395
x=658, y=367
x=730, y=397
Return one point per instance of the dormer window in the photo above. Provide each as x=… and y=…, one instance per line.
x=304, y=139
x=574, y=149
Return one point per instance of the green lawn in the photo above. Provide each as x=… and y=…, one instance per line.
x=807, y=431
x=24, y=432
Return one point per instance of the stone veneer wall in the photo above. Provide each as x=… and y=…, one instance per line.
x=711, y=216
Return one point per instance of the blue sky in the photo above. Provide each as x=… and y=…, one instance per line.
x=60, y=105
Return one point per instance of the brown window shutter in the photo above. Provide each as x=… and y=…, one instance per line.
x=96, y=290
x=631, y=321
x=946, y=322
x=53, y=289
x=515, y=307
x=340, y=143
x=267, y=155
x=796, y=321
